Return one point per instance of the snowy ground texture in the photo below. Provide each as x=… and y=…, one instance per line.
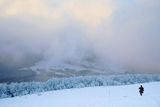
x=108, y=96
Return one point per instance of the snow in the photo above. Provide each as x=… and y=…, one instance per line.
x=90, y=64
x=106, y=96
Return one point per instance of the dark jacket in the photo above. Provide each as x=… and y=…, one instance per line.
x=141, y=89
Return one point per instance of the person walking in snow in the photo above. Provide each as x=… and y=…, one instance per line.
x=141, y=89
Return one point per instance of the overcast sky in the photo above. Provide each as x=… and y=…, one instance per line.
x=125, y=32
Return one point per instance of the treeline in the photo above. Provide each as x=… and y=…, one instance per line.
x=24, y=88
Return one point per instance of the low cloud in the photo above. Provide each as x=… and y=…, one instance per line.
x=120, y=32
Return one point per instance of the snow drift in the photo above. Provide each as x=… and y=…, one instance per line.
x=19, y=89
x=110, y=96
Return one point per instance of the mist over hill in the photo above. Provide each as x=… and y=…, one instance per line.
x=44, y=39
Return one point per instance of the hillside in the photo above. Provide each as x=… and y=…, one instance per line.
x=111, y=96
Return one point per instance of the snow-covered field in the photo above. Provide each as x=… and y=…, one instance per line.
x=110, y=96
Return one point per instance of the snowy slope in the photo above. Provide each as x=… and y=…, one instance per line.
x=112, y=96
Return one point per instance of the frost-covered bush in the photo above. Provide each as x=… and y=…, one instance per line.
x=24, y=88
